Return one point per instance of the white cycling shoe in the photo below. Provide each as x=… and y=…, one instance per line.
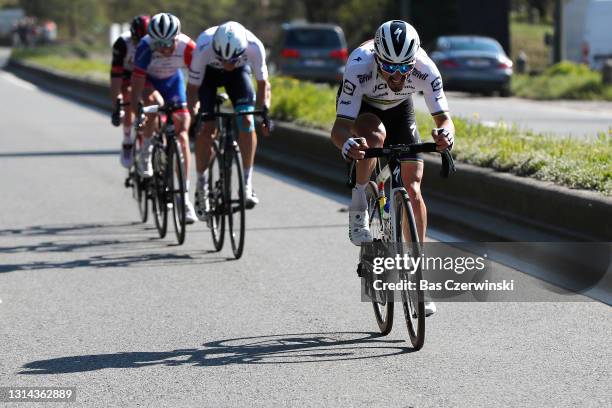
x=190, y=213
x=202, y=205
x=251, y=199
x=430, y=308
x=359, y=227
x=126, y=156
x=145, y=167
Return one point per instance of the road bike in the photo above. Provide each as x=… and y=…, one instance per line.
x=393, y=226
x=134, y=180
x=166, y=187
x=226, y=189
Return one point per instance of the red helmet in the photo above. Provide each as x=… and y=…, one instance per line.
x=139, y=26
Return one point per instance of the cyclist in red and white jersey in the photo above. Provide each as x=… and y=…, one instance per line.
x=374, y=108
x=160, y=56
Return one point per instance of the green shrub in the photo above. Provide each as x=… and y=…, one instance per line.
x=565, y=80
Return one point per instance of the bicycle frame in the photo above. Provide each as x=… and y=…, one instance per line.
x=393, y=167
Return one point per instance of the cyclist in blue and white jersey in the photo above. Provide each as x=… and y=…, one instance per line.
x=226, y=56
x=374, y=107
x=160, y=56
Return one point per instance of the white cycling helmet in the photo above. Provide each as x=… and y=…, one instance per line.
x=230, y=40
x=164, y=27
x=396, y=42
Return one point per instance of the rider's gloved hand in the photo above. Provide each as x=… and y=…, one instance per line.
x=444, y=138
x=353, y=148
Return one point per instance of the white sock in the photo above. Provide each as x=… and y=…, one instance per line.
x=248, y=176
x=187, y=186
x=359, y=202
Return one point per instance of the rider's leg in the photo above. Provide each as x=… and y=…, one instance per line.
x=242, y=94
x=412, y=174
x=368, y=126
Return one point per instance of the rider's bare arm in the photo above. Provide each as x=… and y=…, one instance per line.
x=263, y=94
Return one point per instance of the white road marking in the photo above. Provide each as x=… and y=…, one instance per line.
x=16, y=81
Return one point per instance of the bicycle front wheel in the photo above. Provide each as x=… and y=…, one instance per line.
x=158, y=190
x=234, y=193
x=176, y=189
x=216, y=219
x=383, y=308
x=408, y=242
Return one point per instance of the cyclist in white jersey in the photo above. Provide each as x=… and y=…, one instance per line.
x=226, y=56
x=374, y=107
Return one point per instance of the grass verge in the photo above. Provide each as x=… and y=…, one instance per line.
x=565, y=80
x=573, y=163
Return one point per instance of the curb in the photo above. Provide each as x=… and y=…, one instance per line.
x=499, y=206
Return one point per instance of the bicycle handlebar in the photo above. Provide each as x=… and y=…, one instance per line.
x=401, y=150
x=201, y=116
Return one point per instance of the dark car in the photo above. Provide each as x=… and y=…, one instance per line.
x=473, y=64
x=315, y=52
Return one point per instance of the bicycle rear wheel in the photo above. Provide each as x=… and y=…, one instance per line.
x=236, y=213
x=216, y=220
x=408, y=242
x=176, y=189
x=158, y=190
x=383, y=310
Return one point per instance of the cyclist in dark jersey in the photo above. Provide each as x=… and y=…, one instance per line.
x=122, y=65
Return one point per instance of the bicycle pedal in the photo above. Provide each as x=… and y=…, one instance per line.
x=128, y=182
x=359, y=270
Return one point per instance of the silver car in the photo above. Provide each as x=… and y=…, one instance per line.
x=316, y=52
x=473, y=64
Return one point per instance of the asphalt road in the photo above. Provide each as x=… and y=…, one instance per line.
x=92, y=299
x=556, y=118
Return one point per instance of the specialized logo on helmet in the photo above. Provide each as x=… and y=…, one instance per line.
x=397, y=33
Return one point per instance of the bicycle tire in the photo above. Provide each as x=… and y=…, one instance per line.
x=413, y=301
x=143, y=201
x=216, y=220
x=158, y=190
x=236, y=203
x=176, y=189
x=383, y=312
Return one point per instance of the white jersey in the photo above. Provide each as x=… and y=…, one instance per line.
x=362, y=82
x=204, y=55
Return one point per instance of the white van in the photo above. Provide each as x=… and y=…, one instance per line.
x=597, y=38
x=586, y=31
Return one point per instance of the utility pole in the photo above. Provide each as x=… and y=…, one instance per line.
x=558, y=31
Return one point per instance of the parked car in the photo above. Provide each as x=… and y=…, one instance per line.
x=315, y=52
x=473, y=64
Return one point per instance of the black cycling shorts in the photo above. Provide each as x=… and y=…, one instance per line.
x=237, y=84
x=400, y=124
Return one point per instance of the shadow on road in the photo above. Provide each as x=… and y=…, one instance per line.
x=274, y=349
x=115, y=245
x=101, y=152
